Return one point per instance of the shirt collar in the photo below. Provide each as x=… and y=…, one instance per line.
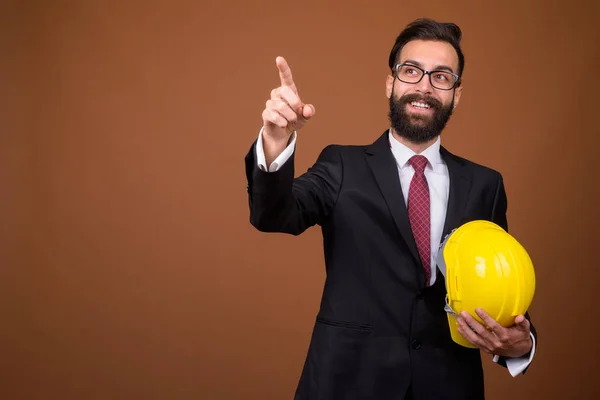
x=402, y=153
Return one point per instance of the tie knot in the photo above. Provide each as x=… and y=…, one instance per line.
x=418, y=162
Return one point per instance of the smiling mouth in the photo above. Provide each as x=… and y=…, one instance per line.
x=420, y=105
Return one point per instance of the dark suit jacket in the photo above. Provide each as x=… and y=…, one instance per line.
x=379, y=329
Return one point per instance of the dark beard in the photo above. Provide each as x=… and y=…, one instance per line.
x=418, y=129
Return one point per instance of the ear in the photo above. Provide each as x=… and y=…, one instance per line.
x=389, y=83
x=457, y=94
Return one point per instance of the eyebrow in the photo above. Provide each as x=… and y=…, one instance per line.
x=436, y=68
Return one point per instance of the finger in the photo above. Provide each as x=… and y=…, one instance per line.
x=308, y=111
x=285, y=73
x=492, y=324
x=289, y=96
x=481, y=330
x=274, y=117
x=468, y=333
x=522, y=323
x=283, y=109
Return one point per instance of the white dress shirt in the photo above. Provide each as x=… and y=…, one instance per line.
x=438, y=180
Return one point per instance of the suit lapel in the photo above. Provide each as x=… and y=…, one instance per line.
x=385, y=171
x=460, y=184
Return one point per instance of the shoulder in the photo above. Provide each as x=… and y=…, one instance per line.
x=476, y=168
x=381, y=143
x=343, y=151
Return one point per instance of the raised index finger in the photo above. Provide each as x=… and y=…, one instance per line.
x=285, y=73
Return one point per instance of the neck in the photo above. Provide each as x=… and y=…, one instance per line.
x=416, y=147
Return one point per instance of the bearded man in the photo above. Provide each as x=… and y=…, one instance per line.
x=381, y=332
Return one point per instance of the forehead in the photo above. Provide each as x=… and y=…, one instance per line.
x=430, y=54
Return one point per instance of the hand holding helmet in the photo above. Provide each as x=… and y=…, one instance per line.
x=490, y=283
x=514, y=341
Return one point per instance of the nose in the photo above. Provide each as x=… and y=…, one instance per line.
x=424, y=86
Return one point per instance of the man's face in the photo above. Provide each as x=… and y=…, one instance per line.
x=419, y=112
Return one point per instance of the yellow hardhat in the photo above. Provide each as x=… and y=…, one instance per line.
x=486, y=268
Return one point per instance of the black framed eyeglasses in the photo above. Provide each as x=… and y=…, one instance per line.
x=412, y=74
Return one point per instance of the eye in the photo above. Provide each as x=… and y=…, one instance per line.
x=440, y=77
x=408, y=70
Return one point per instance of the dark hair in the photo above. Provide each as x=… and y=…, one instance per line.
x=428, y=29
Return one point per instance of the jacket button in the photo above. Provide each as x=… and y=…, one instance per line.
x=415, y=344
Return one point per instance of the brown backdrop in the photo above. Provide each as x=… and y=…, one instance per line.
x=128, y=267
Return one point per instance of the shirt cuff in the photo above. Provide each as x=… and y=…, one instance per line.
x=280, y=160
x=517, y=365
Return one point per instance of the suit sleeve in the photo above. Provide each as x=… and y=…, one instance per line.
x=281, y=203
x=499, y=217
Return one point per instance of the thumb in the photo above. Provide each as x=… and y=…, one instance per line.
x=308, y=111
x=522, y=322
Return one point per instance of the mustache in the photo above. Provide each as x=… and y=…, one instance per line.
x=433, y=102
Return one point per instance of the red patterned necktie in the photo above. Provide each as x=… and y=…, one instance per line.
x=418, y=212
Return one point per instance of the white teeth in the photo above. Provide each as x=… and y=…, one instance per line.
x=419, y=104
